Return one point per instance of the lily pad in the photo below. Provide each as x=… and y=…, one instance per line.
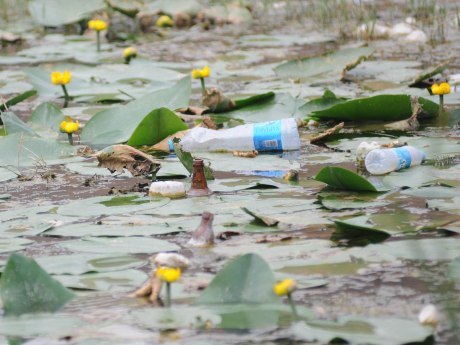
x=376, y=108
x=365, y=330
x=327, y=100
x=157, y=125
x=246, y=279
x=26, y=288
x=340, y=178
x=17, y=99
x=116, y=125
x=331, y=64
x=57, y=12
x=125, y=245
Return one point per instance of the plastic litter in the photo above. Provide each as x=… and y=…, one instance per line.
x=267, y=136
x=385, y=160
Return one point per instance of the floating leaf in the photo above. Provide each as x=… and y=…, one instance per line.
x=257, y=99
x=365, y=330
x=340, y=178
x=327, y=65
x=420, y=80
x=14, y=124
x=47, y=116
x=58, y=12
x=246, y=279
x=261, y=218
x=156, y=126
x=26, y=288
x=117, y=125
x=377, y=108
x=327, y=100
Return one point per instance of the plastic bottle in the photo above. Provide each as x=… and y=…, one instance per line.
x=267, y=136
x=385, y=160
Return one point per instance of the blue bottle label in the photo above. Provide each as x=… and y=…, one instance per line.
x=171, y=145
x=405, y=159
x=267, y=136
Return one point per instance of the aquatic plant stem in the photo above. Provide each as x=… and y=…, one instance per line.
x=98, y=35
x=293, y=308
x=66, y=96
x=441, y=102
x=203, y=86
x=70, y=137
x=168, y=294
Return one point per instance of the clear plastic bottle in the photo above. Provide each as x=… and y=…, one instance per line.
x=267, y=136
x=385, y=160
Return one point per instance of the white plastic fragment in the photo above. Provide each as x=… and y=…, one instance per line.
x=429, y=315
x=371, y=30
x=172, y=260
x=364, y=148
x=170, y=189
x=400, y=29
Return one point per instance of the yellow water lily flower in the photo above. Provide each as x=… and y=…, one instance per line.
x=164, y=22
x=441, y=89
x=168, y=274
x=129, y=52
x=97, y=24
x=201, y=73
x=58, y=78
x=69, y=126
x=285, y=287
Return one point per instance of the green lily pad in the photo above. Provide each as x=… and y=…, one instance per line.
x=56, y=12
x=13, y=244
x=39, y=325
x=256, y=99
x=107, y=205
x=365, y=330
x=47, y=116
x=116, y=125
x=340, y=178
x=26, y=288
x=156, y=126
x=106, y=281
x=114, y=245
x=376, y=108
x=246, y=279
x=327, y=100
x=13, y=124
x=77, y=264
x=332, y=64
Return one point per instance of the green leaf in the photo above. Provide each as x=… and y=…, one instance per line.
x=60, y=12
x=246, y=279
x=47, y=116
x=340, y=178
x=186, y=159
x=365, y=330
x=327, y=100
x=26, y=288
x=257, y=99
x=376, y=108
x=14, y=124
x=17, y=99
x=117, y=125
x=327, y=65
x=156, y=126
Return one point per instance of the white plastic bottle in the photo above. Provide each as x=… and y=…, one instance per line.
x=385, y=160
x=267, y=136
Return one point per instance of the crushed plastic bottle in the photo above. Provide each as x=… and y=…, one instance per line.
x=385, y=160
x=267, y=136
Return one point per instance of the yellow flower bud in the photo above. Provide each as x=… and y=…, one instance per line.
x=58, y=78
x=285, y=287
x=68, y=126
x=168, y=274
x=201, y=73
x=97, y=24
x=164, y=22
x=441, y=89
x=129, y=52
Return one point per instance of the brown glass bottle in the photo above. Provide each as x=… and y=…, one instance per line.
x=199, y=184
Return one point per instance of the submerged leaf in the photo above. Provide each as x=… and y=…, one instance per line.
x=26, y=288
